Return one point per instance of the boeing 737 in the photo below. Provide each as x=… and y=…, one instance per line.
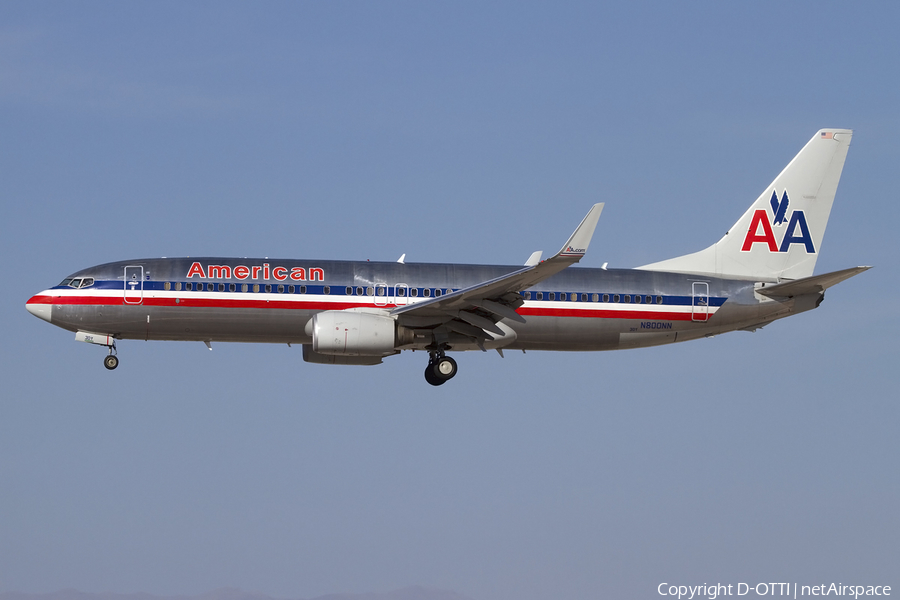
x=358, y=313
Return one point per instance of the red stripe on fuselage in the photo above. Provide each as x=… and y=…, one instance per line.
x=605, y=313
x=193, y=302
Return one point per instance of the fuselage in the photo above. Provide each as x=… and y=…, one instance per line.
x=272, y=300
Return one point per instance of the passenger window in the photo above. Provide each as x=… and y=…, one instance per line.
x=325, y=289
x=437, y=292
x=573, y=297
x=659, y=299
x=188, y=286
x=637, y=299
x=290, y=289
x=648, y=299
x=280, y=289
x=380, y=291
x=255, y=287
x=595, y=297
x=551, y=296
x=167, y=286
x=348, y=291
x=177, y=286
x=302, y=289
x=244, y=287
x=359, y=291
x=268, y=288
x=401, y=291
x=626, y=298
x=426, y=292
x=584, y=297
x=540, y=295
x=615, y=297
x=527, y=295
x=221, y=287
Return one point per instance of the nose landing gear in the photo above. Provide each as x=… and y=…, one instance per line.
x=111, y=361
x=440, y=368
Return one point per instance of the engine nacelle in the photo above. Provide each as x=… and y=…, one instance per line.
x=354, y=333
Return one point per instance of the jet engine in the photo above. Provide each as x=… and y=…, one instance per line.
x=354, y=333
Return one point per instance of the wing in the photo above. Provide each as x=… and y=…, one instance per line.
x=474, y=311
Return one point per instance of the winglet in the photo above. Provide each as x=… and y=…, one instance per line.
x=580, y=240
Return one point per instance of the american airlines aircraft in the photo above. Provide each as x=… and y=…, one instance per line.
x=358, y=313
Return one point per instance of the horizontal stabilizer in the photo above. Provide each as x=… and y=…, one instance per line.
x=809, y=285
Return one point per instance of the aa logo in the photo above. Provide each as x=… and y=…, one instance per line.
x=761, y=232
x=779, y=209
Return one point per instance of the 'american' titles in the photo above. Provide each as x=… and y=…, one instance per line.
x=263, y=272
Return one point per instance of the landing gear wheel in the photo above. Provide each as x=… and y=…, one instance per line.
x=111, y=362
x=431, y=378
x=440, y=369
x=444, y=368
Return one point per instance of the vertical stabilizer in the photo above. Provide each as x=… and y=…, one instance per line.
x=780, y=235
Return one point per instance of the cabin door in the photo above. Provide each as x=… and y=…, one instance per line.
x=134, y=285
x=700, y=301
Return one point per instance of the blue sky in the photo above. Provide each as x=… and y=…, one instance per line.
x=463, y=132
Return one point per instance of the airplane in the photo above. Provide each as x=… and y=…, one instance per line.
x=358, y=313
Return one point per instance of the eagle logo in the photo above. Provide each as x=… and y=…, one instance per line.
x=779, y=209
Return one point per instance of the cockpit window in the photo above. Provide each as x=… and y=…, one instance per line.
x=65, y=282
x=75, y=283
x=88, y=281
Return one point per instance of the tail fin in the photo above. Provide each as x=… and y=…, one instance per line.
x=780, y=234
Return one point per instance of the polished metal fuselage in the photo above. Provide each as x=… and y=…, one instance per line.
x=148, y=300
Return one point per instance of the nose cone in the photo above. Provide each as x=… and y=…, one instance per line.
x=39, y=307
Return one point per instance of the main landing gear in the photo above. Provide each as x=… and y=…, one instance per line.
x=440, y=368
x=111, y=361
